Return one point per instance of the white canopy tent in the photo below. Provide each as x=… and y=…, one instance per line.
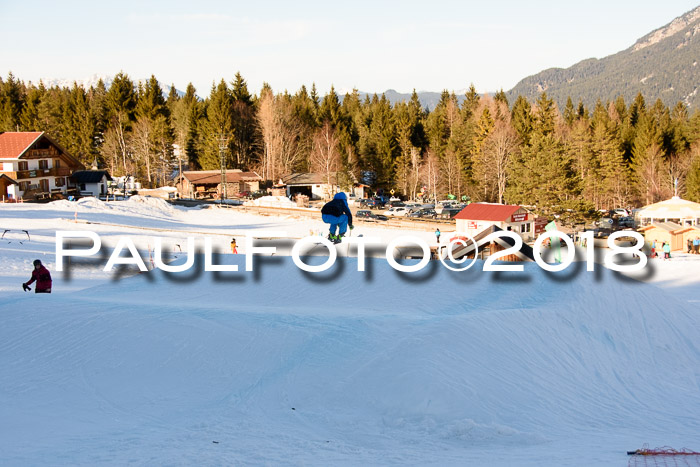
x=680, y=211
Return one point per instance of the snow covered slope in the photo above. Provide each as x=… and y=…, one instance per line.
x=279, y=366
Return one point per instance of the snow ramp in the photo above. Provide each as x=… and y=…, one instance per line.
x=282, y=367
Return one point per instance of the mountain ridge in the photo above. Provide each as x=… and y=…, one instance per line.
x=662, y=64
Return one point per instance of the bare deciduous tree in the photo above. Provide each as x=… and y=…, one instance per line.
x=325, y=157
x=283, y=136
x=491, y=161
x=143, y=152
x=649, y=171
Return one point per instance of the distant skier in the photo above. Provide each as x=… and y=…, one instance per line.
x=337, y=214
x=667, y=250
x=42, y=277
x=437, y=235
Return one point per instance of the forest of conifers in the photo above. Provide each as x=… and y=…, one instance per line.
x=559, y=162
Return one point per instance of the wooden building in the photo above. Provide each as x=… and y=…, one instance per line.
x=670, y=232
x=207, y=183
x=487, y=248
x=91, y=182
x=38, y=165
x=313, y=185
x=478, y=217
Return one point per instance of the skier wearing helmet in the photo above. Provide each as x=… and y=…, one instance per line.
x=337, y=213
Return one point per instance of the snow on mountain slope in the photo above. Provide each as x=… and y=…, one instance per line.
x=278, y=366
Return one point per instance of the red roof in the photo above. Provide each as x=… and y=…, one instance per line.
x=487, y=212
x=13, y=144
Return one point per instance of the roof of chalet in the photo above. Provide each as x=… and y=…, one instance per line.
x=213, y=177
x=487, y=212
x=90, y=176
x=302, y=178
x=667, y=226
x=15, y=143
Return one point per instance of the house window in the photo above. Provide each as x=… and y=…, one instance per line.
x=57, y=163
x=60, y=181
x=23, y=165
x=524, y=228
x=44, y=185
x=23, y=186
x=43, y=164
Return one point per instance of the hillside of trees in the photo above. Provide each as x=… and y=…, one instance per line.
x=661, y=65
x=614, y=154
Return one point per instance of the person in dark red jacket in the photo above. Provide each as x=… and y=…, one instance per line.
x=42, y=277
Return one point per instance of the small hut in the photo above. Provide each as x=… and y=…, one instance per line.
x=668, y=232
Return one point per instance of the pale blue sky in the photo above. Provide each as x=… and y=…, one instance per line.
x=371, y=45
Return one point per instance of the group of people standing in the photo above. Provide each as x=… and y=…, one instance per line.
x=665, y=248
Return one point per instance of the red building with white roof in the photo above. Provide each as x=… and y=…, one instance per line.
x=34, y=166
x=480, y=216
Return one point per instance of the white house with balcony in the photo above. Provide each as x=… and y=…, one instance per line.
x=37, y=165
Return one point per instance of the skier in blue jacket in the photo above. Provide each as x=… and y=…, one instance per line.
x=337, y=214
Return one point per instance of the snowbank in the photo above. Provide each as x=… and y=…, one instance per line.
x=272, y=202
x=62, y=204
x=156, y=205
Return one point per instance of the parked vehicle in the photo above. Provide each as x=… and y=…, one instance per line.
x=374, y=203
x=396, y=204
x=424, y=213
x=605, y=223
x=448, y=213
x=370, y=215
x=398, y=211
x=626, y=222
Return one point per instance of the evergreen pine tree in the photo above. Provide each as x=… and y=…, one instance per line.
x=471, y=102
x=545, y=115
x=569, y=112
x=244, y=124
x=29, y=121
x=173, y=97
x=218, y=127
x=501, y=97
x=11, y=92
x=692, y=182
x=79, y=134
x=97, y=97
x=522, y=119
